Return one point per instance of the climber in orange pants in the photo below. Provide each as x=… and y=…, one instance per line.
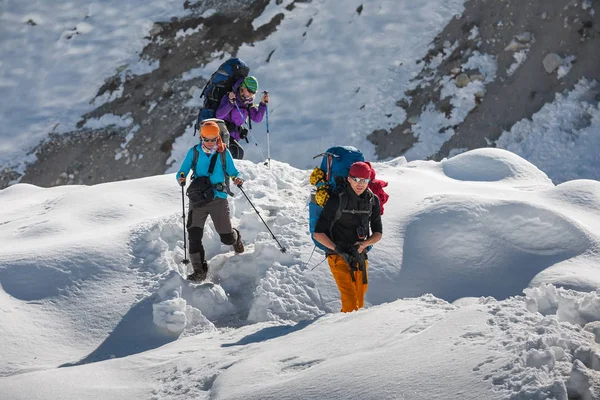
x=343, y=227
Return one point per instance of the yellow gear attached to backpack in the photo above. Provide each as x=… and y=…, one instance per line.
x=317, y=176
x=322, y=195
x=318, y=179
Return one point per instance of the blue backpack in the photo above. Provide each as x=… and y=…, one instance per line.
x=332, y=173
x=220, y=83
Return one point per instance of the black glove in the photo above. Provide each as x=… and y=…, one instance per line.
x=346, y=256
x=359, y=258
x=244, y=134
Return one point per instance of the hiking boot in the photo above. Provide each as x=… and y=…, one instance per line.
x=199, y=274
x=238, y=246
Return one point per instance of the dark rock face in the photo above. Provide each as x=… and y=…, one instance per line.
x=548, y=30
x=154, y=101
x=563, y=27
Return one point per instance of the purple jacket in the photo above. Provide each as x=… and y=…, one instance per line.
x=229, y=112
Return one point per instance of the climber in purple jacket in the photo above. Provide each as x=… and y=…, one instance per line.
x=242, y=95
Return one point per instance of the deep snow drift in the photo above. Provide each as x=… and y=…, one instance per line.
x=463, y=291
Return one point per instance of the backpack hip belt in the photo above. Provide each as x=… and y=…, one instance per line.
x=221, y=187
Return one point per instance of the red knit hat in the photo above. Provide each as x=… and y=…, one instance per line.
x=360, y=170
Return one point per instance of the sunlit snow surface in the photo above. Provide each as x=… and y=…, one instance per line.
x=463, y=302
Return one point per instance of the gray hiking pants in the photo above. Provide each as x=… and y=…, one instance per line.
x=218, y=209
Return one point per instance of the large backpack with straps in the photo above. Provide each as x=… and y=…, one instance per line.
x=328, y=179
x=220, y=83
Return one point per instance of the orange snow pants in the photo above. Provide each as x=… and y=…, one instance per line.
x=352, y=293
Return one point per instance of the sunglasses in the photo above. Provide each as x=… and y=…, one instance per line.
x=209, y=140
x=360, y=180
x=249, y=91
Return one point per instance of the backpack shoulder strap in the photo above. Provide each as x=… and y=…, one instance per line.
x=371, y=201
x=224, y=164
x=226, y=181
x=195, y=161
x=213, y=162
x=211, y=166
x=371, y=196
x=343, y=201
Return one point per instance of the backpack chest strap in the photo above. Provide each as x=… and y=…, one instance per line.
x=356, y=211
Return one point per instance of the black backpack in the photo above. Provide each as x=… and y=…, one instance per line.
x=220, y=83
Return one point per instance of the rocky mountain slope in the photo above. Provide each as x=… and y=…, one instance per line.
x=540, y=47
x=154, y=101
x=537, y=48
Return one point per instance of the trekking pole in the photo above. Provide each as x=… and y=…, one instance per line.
x=312, y=269
x=250, y=129
x=283, y=249
x=311, y=254
x=185, y=260
x=310, y=258
x=268, y=163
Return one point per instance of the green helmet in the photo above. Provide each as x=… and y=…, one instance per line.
x=251, y=83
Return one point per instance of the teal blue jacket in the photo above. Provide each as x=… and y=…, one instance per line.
x=202, y=167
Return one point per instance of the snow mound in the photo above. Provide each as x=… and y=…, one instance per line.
x=517, y=238
x=493, y=165
x=582, y=194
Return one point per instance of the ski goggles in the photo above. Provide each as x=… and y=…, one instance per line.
x=209, y=140
x=360, y=180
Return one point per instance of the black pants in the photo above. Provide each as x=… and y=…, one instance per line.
x=237, y=151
